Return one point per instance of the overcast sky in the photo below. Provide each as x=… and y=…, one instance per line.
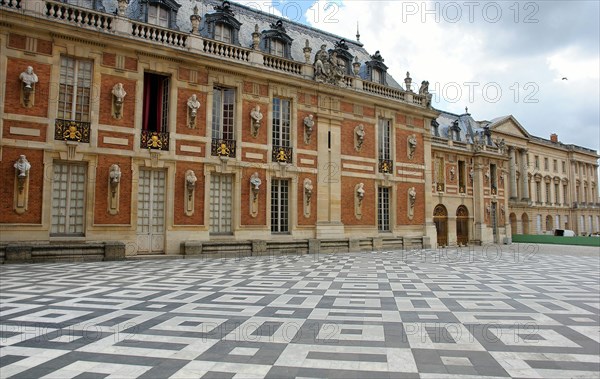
x=495, y=57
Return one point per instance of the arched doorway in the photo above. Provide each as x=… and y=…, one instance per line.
x=525, y=222
x=462, y=225
x=513, y=224
x=549, y=223
x=440, y=218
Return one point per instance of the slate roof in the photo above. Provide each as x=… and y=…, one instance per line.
x=249, y=17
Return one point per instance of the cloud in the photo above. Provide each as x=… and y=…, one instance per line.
x=501, y=57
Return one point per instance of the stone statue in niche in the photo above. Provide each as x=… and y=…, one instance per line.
x=255, y=182
x=412, y=146
x=256, y=117
x=308, y=188
x=22, y=166
x=28, y=79
x=328, y=67
x=115, y=177
x=119, y=94
x=193, y=106
x=452, y=173
x=190, y=188
x=359, y=137
x=360, y=192
x=190, y=182
x=471, y=175
x=412, y=199
x=309, y=123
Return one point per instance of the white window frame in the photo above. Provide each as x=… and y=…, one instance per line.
x=383, y=209
x=221, y=204
x=223, y=113
x=282, y=122
x=72, y=190
x=280, y=206
x=74, y=103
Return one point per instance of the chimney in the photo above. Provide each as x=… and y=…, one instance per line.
x=554, y=137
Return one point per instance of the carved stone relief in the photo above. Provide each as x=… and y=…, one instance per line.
x=190, y=189
x=256, y=117
x=255, y=183
x=114, y=184
x=307, y=191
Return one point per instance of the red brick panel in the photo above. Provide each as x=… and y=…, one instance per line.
x=246, y=217
x=400, y=119
x=368, y=112
x=17, y=41
x=109, y=59
x=369, y=203
x=8, y=124
x=266, y=158
x=12, y=102
x=37, y=180
x=182, y=113
x=347, y=107
x=180, y=217
x=106, y=133
x=300, y=131
x=201, y=145
x=101, y=214
x=368, y=149
x=402, y=147
x=131, y=64
x=106, y=97
x=261, y=137
x=402, y=204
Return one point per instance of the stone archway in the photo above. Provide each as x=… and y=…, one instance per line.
x=440, y=219
x=462, y=225
x=513, y=224
x=525, y=223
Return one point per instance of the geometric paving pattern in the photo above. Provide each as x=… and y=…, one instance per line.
x=413, y=314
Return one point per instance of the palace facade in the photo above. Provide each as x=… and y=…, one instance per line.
x=157, y=127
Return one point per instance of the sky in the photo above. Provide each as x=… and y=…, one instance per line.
x=494, y=57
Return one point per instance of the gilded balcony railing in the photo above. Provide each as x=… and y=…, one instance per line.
x=71, y=130
x=282, y=154
x=223, y=147
x=154, y=140
x=386, y=166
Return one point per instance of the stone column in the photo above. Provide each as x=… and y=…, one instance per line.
x=430, y=201
x=479, y=230
x=524, y=176
x=513, y=173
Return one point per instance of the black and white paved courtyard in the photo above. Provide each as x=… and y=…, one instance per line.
x=515, y=312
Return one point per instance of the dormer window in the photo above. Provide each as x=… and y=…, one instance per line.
x=376, y=69
x=222, y=25
x=158, y=15
x=161, y=12
x=276, y=41
x=435, y=128
x=376, y=76
x=277, y=48
x=223, y=33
